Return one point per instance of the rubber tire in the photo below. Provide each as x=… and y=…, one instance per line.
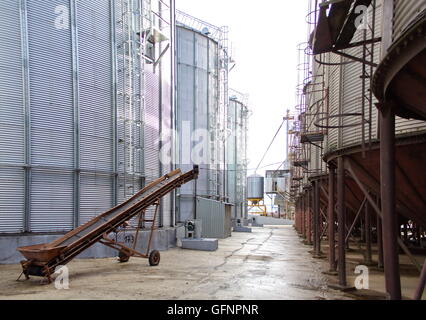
x=154, y=258
x=123, y=257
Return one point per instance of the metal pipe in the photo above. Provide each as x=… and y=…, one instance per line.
x=387, y=190
x=331, y=218
x=341, y=221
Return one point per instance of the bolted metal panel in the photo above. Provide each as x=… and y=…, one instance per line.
x=334, y=100
x=11, y=199
x=96, y=113
x=68, y=86
x=152, y=133
x=52, y=118
x=404, y=126
x=405, y=13
x=152, y=127
x=95, y=72
x=197, y=102
x=352, y=98
x=255, y=187
x=231, y=155
x=11, y=85
x=51, y=88
x=166, y=140
x=51, y=201
x=96, y=195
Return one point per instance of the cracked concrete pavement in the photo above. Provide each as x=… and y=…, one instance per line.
x=269, y=263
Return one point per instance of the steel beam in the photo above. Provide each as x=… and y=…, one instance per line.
x=387, y=191
x=309, y=232
x=341, y=221
x=76, y=113
x=26, y=227
x=421, y=286
x=331, y=219
x=316, y=217
x=355, y=220
x=114, y=103
x=367, y=226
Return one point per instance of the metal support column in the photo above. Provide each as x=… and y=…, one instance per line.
x=114, y=77
x=331, y=219
x=379, y=243
x=367, y=225
x=421, y=287
x=341, y=222
x=27, y=114
x=317, y=218
x=302, y=201
x=387, y=190
x=76, y=113
x=309, y=231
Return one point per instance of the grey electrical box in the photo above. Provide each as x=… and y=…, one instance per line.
x=215, y=217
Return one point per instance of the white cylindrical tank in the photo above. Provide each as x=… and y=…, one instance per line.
x=255, y=187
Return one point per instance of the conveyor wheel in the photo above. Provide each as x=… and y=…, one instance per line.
x=154, y=258
x=123, y=256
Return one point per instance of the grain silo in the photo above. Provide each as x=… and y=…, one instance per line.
x=360, y=129
x=85, y=92
x=202, y=99
x=236, y=153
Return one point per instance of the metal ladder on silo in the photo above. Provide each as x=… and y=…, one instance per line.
x=131, y=50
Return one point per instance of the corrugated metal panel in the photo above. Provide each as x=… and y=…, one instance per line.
x=405, y=12
x=94, y=45
x=152, y=132
x=215, y=223
x=51, y=118
x=11, y=200
x=352, y=97
x=96, y=195
x=11, y=85
x=334, y=101
x=232, y=153
x=197, y=89
x=166, y=123
x=404, y=126
x=152, y=127
x=51, y=86
x=51, y=201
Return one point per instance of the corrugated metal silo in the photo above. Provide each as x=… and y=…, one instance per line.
x=255, y=187
x=198, y=115
x=236, y=154
x=77, y=111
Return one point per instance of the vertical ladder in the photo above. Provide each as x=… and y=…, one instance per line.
x=130, y=51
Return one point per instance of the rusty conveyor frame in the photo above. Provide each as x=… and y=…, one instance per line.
x=42, y=259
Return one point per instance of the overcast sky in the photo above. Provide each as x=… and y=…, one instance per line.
x=264, y=36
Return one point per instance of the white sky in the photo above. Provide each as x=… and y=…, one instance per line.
x=264, y=35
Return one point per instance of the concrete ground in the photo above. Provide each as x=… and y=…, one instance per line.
x=355, y=257
x=269, y=263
